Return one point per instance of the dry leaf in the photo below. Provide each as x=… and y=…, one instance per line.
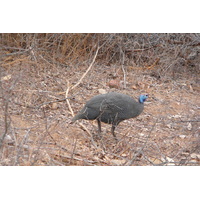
x=170, y=164
x=114, y=83
x=6, y=78
x=118, y=162
x=8, y=139
x=134, y=87
x=155, y=161
x=54, y=106
x=193, y=161
x=189, y=126
x=191, y=89
x=25, y=146
x=195, y=156
x=168, y=159
x=102, y=91
x=182, y=136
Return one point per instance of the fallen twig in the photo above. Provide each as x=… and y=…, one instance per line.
x=66, y=97
x=189, y=121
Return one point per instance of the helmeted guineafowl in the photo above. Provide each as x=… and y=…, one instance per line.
x=111, y=108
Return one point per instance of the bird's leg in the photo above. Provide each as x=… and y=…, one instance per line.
x=113, y=131
x=99, y=126
x=98, y=136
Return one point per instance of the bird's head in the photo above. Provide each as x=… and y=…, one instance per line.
x=143, y=97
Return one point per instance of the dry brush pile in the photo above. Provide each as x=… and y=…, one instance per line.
x=38, y=72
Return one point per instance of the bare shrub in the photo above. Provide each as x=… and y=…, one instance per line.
x=174, y=53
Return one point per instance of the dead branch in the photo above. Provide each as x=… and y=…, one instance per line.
x=15, y=53
x=124, y=72
x=49, y=102
x=86, y=70
x=67, y=91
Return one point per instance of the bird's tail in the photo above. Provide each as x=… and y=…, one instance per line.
x=76, y=117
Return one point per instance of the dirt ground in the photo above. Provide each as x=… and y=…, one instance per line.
x=40, y=133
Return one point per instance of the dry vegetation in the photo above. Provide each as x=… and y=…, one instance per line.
x=38, y=71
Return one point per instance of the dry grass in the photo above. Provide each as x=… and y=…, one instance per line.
x=39, y=68
x=173, y=53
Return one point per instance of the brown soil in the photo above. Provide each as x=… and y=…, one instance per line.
x=166, y=133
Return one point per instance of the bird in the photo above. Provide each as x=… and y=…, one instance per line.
x=111, y=108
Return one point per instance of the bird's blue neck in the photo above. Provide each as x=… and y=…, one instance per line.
x=141, y=100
